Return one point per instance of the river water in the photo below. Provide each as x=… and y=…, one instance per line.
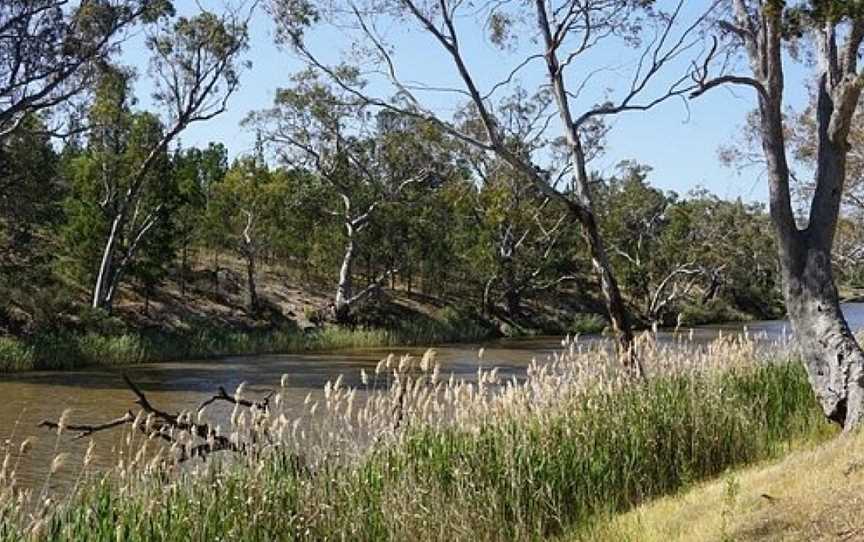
x=99, y=394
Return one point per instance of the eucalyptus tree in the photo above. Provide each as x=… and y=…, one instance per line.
x=546, y=38
x=367, y=163
x=195, y=69
x=848, y=253
x=118, y=139
x=758, y=31
x=634, y=219
x=51, y=50
x=198, y=173
x=246, y=206
x=519, y=230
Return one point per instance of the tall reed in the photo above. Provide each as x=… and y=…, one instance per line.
x=416, y=455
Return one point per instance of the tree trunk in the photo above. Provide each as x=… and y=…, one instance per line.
x=249, y=251
x=344, y=290
x=114, y=284
x=711, y=293
x=486, y=296
x=834, y=361
x=831, y=355
x=251, y=289
x=583, y=207
x=513, y=300
x=183, y=264
x=512, y=297
x=618, y=316
x=216, y=271
x=102, y=287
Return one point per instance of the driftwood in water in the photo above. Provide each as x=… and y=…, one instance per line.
x=171, y=427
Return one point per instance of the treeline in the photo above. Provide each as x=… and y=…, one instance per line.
x=475, y=236
x=99, y=200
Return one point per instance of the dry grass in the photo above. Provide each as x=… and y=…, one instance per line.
x=813, y=494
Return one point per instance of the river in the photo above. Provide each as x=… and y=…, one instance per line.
x=99, y=394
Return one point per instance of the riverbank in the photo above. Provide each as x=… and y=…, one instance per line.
x=452, y=460
x=201, y=314
x=72, y=350
x=812, y=494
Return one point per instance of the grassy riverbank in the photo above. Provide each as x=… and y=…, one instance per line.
x=813, y=494
x=205, y=316
x=74, y=349
x=456, y=461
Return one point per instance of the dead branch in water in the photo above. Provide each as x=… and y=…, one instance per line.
x=223, y=395
x=87, y=430
x=171, y=427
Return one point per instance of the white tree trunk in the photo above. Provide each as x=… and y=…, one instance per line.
x=104, y=276
x=345, y=288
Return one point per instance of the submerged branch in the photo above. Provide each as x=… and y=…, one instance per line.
x=171, y=427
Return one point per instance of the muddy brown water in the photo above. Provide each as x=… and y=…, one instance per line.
x=99, y=394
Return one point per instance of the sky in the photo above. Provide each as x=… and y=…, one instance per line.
x=679, y=141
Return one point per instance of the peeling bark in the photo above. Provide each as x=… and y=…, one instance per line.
x=833, y=358
x=831, y=355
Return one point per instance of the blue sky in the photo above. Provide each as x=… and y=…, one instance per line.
x=680, y=145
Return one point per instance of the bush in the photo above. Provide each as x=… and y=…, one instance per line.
x=587, y=323
x=15, y=355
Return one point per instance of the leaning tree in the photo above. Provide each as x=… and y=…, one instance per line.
x=546, y=46
x=833, y=30
x=195, y=67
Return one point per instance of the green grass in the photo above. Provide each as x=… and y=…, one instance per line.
x=73, y=349
x=535, y=473
x=811, y=494
x=15, y=355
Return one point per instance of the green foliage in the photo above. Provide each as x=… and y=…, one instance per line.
x=698, y=253
x=30, y=192
x=198, y=172
x=15, y=355
x=587, y=323
x=103, y=173
x=104, y=341
x=442, y=222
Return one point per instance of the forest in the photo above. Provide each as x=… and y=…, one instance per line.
x=345, y=213
x=433, y=178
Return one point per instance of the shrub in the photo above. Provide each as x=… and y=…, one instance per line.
x=15, y=355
